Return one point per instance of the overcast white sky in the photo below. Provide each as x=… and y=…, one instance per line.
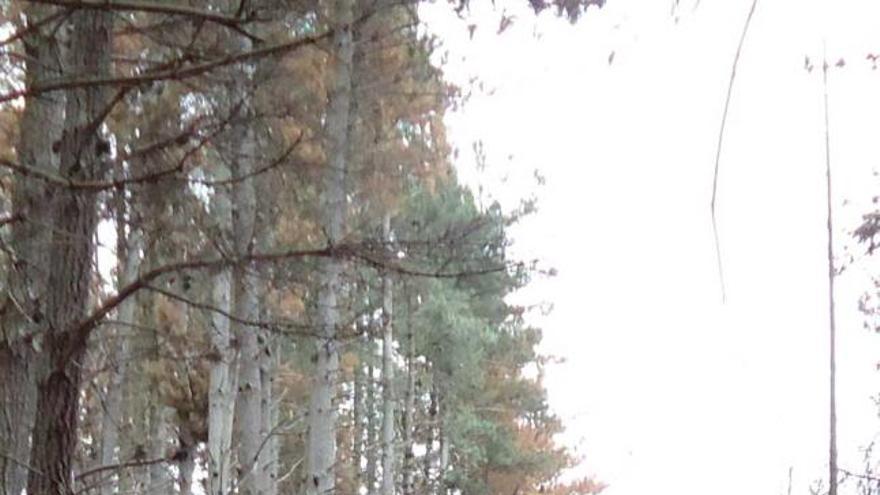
x=665, y=389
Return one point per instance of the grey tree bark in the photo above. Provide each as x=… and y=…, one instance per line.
x=408, y=468
x=269, y=349
x=222, y=380
x=321, y=455
x=270, y=458
x=372, y=436
x=157, y=479
x=70, y=252
x=186, y=466
x=246, y=283
x=357, y=413
x=25, y=299
x=136, y=390
x=388, y=459
x=128, y=252
x=160, y=480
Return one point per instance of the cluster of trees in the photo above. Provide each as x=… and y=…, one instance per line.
x=235, y=258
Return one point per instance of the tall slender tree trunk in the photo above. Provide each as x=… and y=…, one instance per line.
x=186, y=452
x=357, y=413
x=436, y=463
x=408, y=468
x=39, y=128
x=372, y=445
x=241, y=154
x=321, y=455
x=249, y=420
x=129, y=259
x=157, y=480
x=832, y=351
x=444, y=455
x=270, y=458
x=222, y=381
x=430, y=455
x=134, y=404
x=160, y=479
x=387, y=372
x=186, y=460
x=136, y=391
x=70, y=256
x=269, y=348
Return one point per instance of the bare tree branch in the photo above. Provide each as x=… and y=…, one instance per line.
x=175, y=74
x=79, y=334
x=171, y=8
x=742, y=40
x=34, y=25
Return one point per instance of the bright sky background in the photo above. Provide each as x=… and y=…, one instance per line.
x=664, y=388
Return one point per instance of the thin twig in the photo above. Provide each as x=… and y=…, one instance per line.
x=742, y=40
x=866, y=477
x=20, y=463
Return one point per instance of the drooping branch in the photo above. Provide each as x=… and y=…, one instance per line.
x=79, y=334
x=271, y=326
x=742, y=40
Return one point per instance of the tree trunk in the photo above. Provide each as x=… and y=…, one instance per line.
x=186, y=460
x=241, y=155
x=70, y=258
x=372, y=437
x=39, y=128
x=159, y=478
x=270, y=459
x=387, y=373
x=430, y=456
x=128, y=259
x=357, y=413
x=408, y=407
x=156, y=478
x=321, y=455
x=832, y=337
x=250, y=417
x=136, y=387
x=222, y=380
x=444, y=458
x=443, y=464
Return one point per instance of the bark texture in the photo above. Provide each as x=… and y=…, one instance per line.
x=70, y=253
x=222, y=380
x=408, y=468
x=129, y=259
x=321, y=455
x=24, y=305
x=221, y=395
x=246, y=308
x=387, y=373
